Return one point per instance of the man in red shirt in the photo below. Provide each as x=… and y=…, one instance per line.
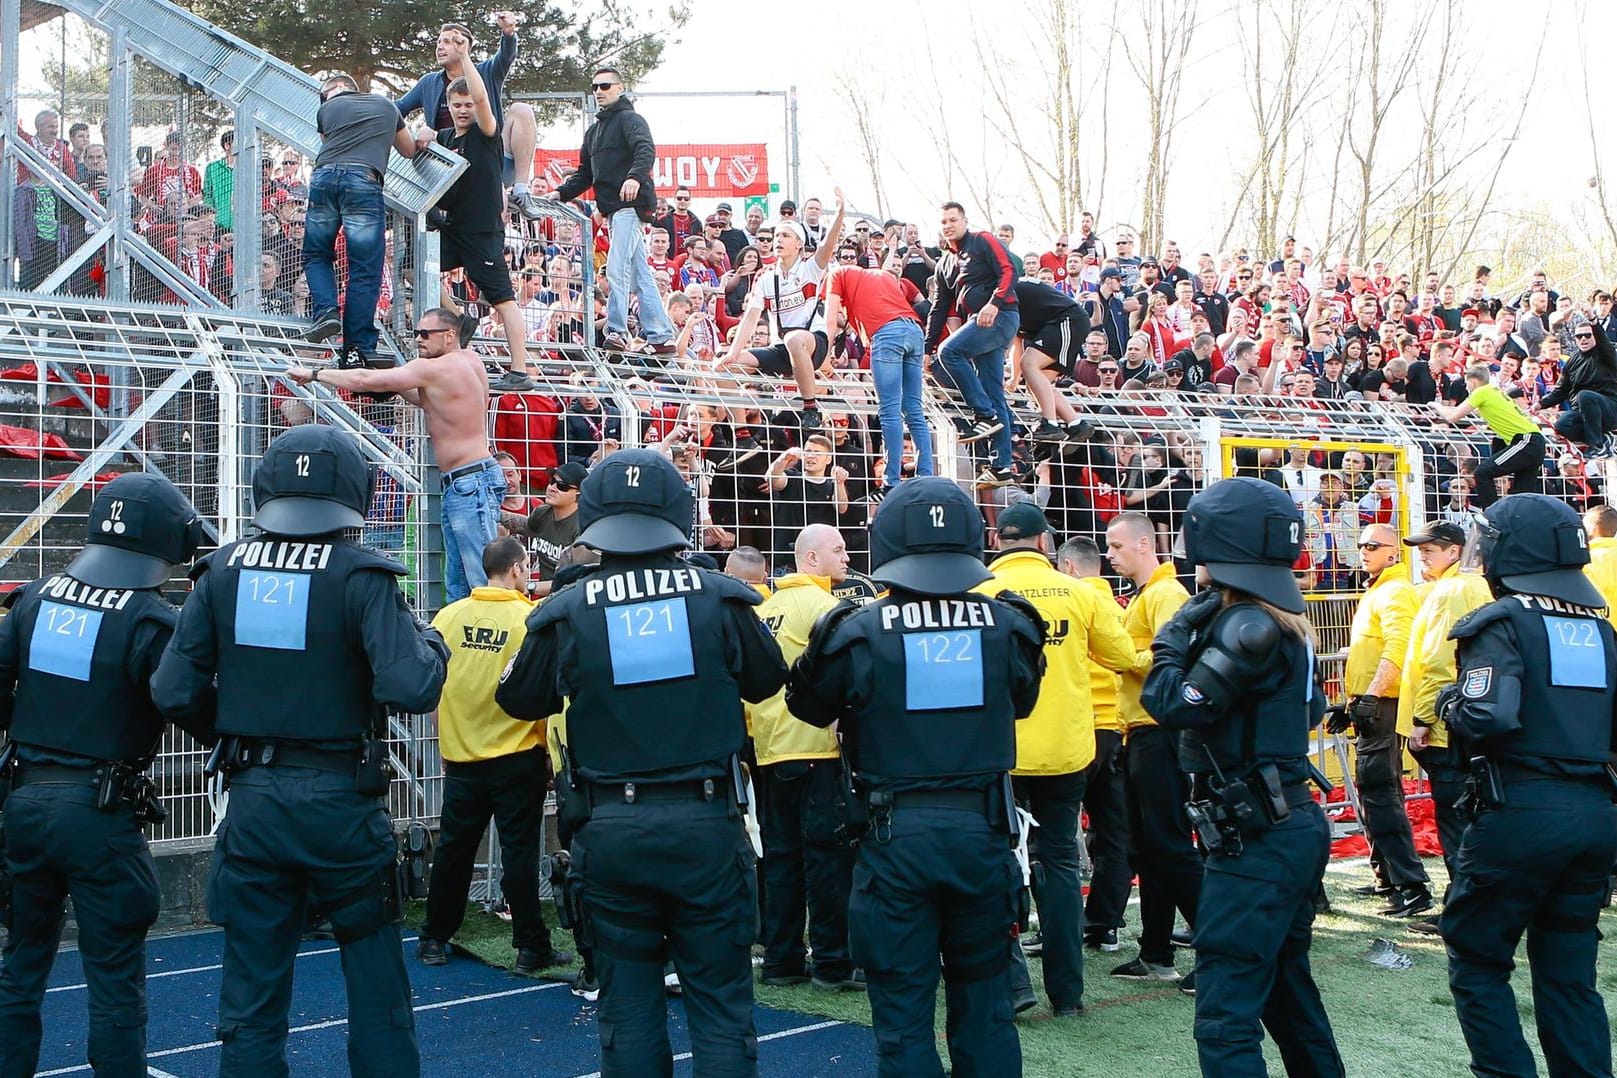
x=680, y=223
x=874, y=304
x=1056, y=261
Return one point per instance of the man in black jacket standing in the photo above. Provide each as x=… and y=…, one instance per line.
x=616, y=160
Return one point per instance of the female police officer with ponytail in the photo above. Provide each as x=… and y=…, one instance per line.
x=1234, y=670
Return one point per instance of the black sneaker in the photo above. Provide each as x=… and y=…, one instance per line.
x=1184, y=939
x=1408, y=901
x=1187, y=983
x=1371, y=890
x=745, y=449
x=530, y=961
x=853, y=982
x=982, y=426
x=782, y=980
x=1080, y=430
x=1102, y=941
x=324, y=329
x=996, y=477
x=513, y=382
x=1423, y=926
x=1033, y=943
x=1065, y=1011
x=586, y=987
x=1141, y=970
x=813, y=419
x=431, y=952
x=527, y=205
x=876, y=495
x=1048, y=431
x=616, y=342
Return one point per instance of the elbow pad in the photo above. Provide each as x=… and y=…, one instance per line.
x=1241, y=644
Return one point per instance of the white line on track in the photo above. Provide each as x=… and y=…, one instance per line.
x=779, y=1034
x=203, y=969
x=334, y=1023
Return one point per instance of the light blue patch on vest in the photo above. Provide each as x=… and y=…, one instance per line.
x=272, y=610
x=1577, y=654
x=943, y=670
x=650, y=642
x=64, y=640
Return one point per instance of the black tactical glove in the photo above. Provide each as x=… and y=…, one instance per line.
x=1338, y=720
x=1200, y=610
x=1365, y=709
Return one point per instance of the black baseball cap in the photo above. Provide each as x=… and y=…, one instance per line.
x=1022, y=520
x=571, y=474
x=724, y=207
x=312, y=480
x=1111, y=271
x=140, y=528
x=927, y=537
x=788, y=205
x=1442, y=531
x=634, y=502
x=1248, y=534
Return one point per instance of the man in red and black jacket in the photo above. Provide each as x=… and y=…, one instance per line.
x=977, y=285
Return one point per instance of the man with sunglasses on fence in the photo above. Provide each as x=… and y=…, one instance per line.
x=616, y=161
x=552, y=528
x=449, y=384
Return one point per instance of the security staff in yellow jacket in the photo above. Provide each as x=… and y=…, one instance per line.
x=1376, y=653
x=494, y=765
x=1105, y=800
x=1165, y=860
x=1601, y=524
x=1449, y=593
x=806, y=861
x=1055, y=744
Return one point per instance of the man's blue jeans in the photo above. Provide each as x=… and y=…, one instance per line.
x=347, y=197
x=471, y=518
x=895, y=367
x=974, y=356
x=627, y=271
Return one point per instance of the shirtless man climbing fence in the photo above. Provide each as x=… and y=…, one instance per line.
x=450, y=385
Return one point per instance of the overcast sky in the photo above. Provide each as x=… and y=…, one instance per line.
x=912, y=62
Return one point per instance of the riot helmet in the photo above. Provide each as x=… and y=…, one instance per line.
x=927, y=537
x=1248, y=534
x=634, y=502
x=312, y=480
x=1536, y=545
x=140, y=528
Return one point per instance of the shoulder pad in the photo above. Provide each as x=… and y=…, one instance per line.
x=200, y=566
x=553, y=608
x=15, y=595
x=1025, y=607
x=1245, y=629
x=1479, y=619
x=728, y=587
x=366, y=558
x=826, y=626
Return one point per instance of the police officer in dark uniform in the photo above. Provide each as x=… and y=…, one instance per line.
x=76, y=655
x=1234, y=670
x=655, y=656
x=310, y=640
x=1534, y=699
x=925, y=684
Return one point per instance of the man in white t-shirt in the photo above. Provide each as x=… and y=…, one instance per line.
x=791, y=293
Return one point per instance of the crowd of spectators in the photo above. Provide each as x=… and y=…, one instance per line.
x=1303, y=336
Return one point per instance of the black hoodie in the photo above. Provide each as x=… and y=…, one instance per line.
x=617, y=145
x=1595, y=369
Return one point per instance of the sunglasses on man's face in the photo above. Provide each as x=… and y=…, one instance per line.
x=557, y=484
x=1108, y=370
x=1583, y=336
x=1373, y=546
x=599, y=86
x=847, y=258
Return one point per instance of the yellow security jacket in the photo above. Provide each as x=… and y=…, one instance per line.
x=1602, y=572
x=1429, y=664
x=1058, y=738
x=484, y=632
x=1103, y=682
x=1380, y=629
x=1150, y=610
x=777, y=734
